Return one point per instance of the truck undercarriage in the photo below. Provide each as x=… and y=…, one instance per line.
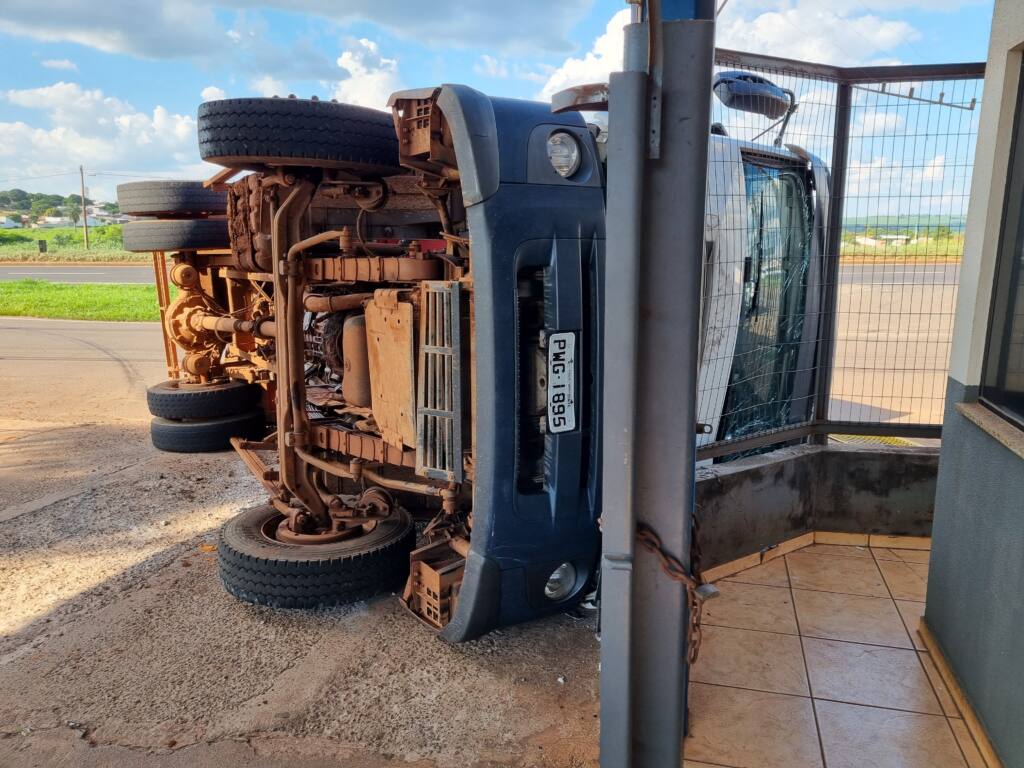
x=347, y=295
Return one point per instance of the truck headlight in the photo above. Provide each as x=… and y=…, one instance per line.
x=564, y=153
x=561, y=582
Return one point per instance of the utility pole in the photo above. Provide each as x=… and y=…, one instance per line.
x=659, y=120
x=85, y=209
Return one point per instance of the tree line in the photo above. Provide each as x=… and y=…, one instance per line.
x=37, y=204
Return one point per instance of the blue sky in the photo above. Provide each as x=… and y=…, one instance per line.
x=115, y=85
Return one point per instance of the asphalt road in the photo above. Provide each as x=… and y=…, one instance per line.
x=853, y=274
x=893, y=274
x=74, y=273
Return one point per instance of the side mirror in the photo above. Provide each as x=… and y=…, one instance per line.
x=752, y=93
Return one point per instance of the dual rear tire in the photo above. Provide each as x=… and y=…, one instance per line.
x=181, y=216
x=203, y=418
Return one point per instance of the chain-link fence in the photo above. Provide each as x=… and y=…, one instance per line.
x=837, y=199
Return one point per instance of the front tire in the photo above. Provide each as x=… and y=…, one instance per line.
x=258, y=569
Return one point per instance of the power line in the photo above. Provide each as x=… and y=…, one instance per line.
x=131, y=175
x=42, y=176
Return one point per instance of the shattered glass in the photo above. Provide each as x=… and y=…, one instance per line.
x=767, y=390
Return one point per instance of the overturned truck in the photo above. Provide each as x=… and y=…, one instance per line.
x=411, y=302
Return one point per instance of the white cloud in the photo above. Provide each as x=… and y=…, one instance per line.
x=371, y=77
x=842, y=32
x=873, y=123
x=255, y=46
x=144, y=28
x=488, y=66
x=176, y=29
x=538, y=73
x=925, y=185
x=268, y=86
x=212, y=93
x=523, y=26
x=65, y=64
x=69, y=105
x=88, y=127
x=604, y=57
x=935, y=170
x=813, y=31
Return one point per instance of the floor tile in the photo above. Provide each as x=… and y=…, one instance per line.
x=771, y=574
x=729, y=569
x=967, y=745
x=856, y=737
x=783, y=548
x=907, y=581
x=691, y=764
x=913, y=555
x=837, y=537
x=911, y=612
x=751, y=606
x=751, y=729
x=838, y=550
x=904, y=555
x=945, y=699
x=763, y=661
x=854, y=618
x=827, y=573
x=900, y=542
x=868, y=674
x=883, y=553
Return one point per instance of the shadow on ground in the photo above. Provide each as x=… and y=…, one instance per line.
x=119, y=647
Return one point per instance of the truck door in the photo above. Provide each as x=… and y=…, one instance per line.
x=768, y=382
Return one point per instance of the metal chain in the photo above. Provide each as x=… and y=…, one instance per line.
x=673, y=567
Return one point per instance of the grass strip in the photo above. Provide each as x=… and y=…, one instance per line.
x=72, y=256
x=79, y=301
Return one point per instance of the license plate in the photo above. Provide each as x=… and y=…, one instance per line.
x=562, y=382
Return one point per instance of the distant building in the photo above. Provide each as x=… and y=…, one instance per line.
x=51, y=222
x=10, y=222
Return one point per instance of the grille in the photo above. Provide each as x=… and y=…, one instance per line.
x=439, y=384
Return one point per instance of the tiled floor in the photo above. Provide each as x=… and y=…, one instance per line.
x=812, y=660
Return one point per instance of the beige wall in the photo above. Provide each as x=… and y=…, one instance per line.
x=985, y=214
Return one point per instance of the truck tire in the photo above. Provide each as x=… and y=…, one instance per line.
x=206, y=436
x=258, y=569
x=171, y=400
x=170, y=199
x=302, y=132
x=175, y=235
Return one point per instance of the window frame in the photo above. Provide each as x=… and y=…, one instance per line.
x=1009, y=265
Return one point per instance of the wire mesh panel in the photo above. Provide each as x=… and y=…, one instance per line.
x=831, y=299
x=763, y=272
x=908, y=179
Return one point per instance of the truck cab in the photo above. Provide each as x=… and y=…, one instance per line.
x=417, y=297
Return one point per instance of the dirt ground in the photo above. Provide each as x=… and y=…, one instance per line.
x=119, y=647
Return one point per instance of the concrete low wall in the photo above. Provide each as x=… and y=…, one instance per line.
x=751, y=504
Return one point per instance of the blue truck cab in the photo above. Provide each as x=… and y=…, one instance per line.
x=395, y=318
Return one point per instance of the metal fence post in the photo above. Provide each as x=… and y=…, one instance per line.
x=652, y=315
x=833, y=245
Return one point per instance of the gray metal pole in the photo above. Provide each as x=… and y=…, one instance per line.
x=833, y=244
x=655, y=230
x=85, y=208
